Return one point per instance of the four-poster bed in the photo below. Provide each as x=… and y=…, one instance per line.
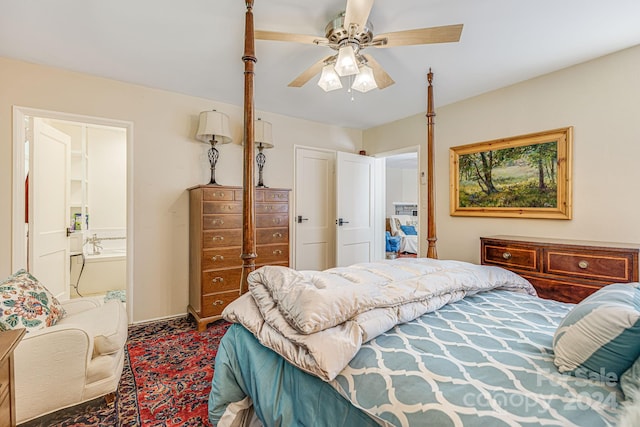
x=406, y=342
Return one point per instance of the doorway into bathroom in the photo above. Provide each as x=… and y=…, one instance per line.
x=71, y=203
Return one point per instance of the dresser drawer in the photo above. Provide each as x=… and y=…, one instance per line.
x=565, y=291
x=221, y=208
x=221, y=280
x=272, y=235
x=221, y=238
x=270, y=254
x=267, y=208
x=213, y=304
x=606, y=266
x=210, y=222
x=274, y=220
x=221, y=258
x=217, y=194
x=276, y=195
x=511, y=256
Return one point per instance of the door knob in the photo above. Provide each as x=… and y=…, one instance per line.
x=341, y=221
x=300, y=219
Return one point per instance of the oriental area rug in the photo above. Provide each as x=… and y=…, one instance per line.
x=165, y=381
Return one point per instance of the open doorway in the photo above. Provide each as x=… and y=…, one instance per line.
x=402, y=201
x=72, y=203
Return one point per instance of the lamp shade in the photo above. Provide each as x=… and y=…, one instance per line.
x=364, y=81
x=262, y=132
x=346, y=64
x=214, y=125
x=329, y=80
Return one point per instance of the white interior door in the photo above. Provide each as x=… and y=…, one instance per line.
x=49, y=207
x=314, y=209
x=355, y=209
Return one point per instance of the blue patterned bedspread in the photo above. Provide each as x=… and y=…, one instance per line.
x=484, y=361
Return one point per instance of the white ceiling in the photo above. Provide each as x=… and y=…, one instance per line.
x=195, y=47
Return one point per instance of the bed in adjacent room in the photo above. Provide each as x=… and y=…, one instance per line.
x=416, y=341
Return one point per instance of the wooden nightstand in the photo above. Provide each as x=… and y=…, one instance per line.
x=8, y=342
x=563, y=270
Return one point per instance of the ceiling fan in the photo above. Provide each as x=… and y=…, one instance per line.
x=349, y=34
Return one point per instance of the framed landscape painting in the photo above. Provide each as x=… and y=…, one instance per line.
x=526, y=176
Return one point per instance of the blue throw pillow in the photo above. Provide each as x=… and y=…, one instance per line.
x=409, y=230
x=600, y=337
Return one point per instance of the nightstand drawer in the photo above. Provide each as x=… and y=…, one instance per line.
x=607, y=267
x=511, y=256
x=212, y=305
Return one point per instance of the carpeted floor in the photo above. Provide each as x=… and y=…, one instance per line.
x=165, y=381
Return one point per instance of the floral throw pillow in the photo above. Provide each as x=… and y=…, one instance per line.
x=25, y=303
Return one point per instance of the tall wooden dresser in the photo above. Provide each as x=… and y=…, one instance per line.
x=563, y=270
x=215, y=244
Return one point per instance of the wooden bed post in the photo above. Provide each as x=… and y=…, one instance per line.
x=248, y=195
x=431, y=203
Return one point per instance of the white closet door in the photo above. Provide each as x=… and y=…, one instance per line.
x=314, y=217
x=355, y=209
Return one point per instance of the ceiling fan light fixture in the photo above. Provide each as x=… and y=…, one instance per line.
x=364, y=81
x=329, y=80
x=346, y=64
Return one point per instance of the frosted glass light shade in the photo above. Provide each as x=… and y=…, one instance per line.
x=214, y=125
x=329, y=80
x=364, y=81
x=346, y=63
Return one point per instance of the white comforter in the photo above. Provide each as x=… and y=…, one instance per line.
x=319, y=320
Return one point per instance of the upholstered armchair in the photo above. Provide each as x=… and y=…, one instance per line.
x=78, y=359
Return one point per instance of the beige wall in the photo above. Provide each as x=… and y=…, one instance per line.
x=166, y=161
x=600, y=99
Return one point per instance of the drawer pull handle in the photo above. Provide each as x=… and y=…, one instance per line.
x=276, y=220
x=217, y=302
x=277, y=235
x=214, y=238
x=277, y=252
x=217, y=258
x=217, y=221
x=217, y=279
x=583, y=264
x=506, y=255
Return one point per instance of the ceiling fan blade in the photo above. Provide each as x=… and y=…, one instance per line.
x=289, y=37
x=445, y=34
x=379, y=74
x=308, y=74
x=357, y=13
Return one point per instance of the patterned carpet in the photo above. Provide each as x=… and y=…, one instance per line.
x=165, y=382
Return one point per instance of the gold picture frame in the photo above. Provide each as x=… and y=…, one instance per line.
x=525, y=176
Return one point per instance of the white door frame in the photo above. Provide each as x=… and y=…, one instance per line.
x=18, y=259
x=381, y=194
